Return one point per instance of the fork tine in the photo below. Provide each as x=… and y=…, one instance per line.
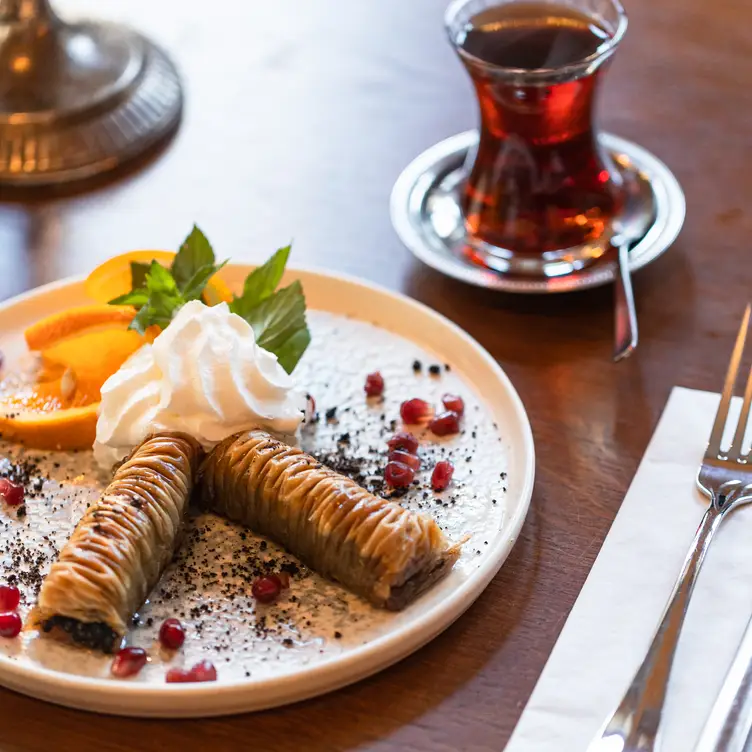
x=741, y=429
x=716, y=435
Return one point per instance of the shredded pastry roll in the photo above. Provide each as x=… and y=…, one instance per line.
x=121, y=546
x=373, y=546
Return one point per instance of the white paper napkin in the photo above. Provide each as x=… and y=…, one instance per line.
x=612, y=622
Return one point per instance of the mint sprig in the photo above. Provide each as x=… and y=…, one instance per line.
x=195, y=254
x=138, y=274
x=159, y=293
x=279, y=323
x=276, y=316
x=261, y=283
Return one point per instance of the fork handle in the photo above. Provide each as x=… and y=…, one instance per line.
x=638, y=716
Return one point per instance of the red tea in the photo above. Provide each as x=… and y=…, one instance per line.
x=539, y=182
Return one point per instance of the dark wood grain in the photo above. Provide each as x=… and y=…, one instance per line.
x=299, y=118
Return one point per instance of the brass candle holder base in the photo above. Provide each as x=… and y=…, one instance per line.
x=77, y=99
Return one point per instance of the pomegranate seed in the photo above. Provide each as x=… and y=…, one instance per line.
x=10, y=624
x=9, y=598
x=12, y=493
x=445, y=424
x=442, y=474
x=398, y=475
x=454, y=403
x=411, y=460
x=201, y=672
x=128, y=662
x=266, y=589
x=177, y=676
x=374, y=385
x=172, y=634
x=403, y=440
x=415, y=411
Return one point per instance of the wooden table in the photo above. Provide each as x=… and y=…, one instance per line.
x=299, y=118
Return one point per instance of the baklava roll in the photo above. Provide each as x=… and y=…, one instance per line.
x=121, y=545
x=375, y=547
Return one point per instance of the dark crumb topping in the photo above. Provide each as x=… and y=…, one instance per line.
x=417, y=366
x=434, y=370
x=25, y=472
x=355, y=468
x=94, y=635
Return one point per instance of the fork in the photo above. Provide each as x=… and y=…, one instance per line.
x=725, y=477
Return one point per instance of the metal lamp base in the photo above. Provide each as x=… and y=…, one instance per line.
x=79, y=99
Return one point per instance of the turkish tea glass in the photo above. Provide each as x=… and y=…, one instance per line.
x=541, y=193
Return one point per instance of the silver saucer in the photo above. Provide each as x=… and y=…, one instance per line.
x=426, y=215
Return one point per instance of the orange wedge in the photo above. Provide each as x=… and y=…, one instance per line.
x=54, y=329
x=60, y=413
x=113, y=278
x=98, y=352
x=72, y=428
x=80, y=348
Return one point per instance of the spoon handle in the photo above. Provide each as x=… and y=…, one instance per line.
x=625, y=316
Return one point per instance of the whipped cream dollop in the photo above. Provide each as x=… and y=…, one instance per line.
x=203, y=375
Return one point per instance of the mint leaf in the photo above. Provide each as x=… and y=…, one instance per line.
x=163, y=307
x=159, y=310
x=138, y=274
x=159, y=301
x=290, y=352
x=159, y=279
x=195, y=253
x=135, y=298
x=195, y=286
x=261, y=283
x=279, y=324
x=141, y=321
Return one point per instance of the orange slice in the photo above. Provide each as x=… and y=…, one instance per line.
x=73, y=321
x=113, y=278
x=99, y=352
x=59, y=413
x=72, y=428
x=80, y=348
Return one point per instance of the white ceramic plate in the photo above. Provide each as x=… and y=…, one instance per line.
x=323, y=638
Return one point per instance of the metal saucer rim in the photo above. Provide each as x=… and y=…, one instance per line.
x=413, y=186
